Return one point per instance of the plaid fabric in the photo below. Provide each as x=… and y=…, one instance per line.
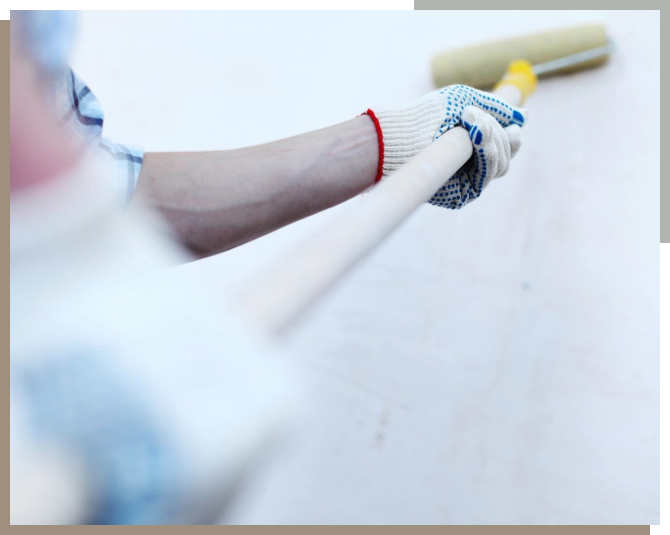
x=80, y=112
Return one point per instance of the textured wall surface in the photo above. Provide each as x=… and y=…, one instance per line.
x=494, y=365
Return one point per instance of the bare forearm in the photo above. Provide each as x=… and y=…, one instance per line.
x=219, y=200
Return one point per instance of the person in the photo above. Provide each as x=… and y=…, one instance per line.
x=106, y=411
x=221, y=199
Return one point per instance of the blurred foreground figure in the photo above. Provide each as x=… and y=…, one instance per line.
x=132, y=401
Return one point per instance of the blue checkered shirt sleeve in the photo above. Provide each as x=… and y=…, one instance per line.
x=82, y=113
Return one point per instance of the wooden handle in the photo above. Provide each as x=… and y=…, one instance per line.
x=279, y=298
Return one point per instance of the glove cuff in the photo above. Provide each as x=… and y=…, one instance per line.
x=405, y=131
x=380, y=142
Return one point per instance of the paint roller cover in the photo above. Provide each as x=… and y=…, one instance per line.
x=483, y=65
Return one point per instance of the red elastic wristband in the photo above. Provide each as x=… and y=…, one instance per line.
x=380, y=141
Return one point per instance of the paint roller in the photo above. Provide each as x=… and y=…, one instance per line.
x=482, y=65
x=512, y=68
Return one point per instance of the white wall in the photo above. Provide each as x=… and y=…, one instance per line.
x=499, y=364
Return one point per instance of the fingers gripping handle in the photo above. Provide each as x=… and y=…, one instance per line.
x=448, y=153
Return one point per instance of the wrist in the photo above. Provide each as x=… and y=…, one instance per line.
x=380, y=144
x=404, y=131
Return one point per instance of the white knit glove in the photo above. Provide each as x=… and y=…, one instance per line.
x=494, y=128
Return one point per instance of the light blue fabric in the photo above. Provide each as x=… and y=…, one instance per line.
x=84, y=115
x=48, y=36
x=83, y=399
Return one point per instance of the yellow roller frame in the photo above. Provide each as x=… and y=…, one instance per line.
x=520, y=74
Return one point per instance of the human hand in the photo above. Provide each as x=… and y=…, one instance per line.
x=493, y=125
